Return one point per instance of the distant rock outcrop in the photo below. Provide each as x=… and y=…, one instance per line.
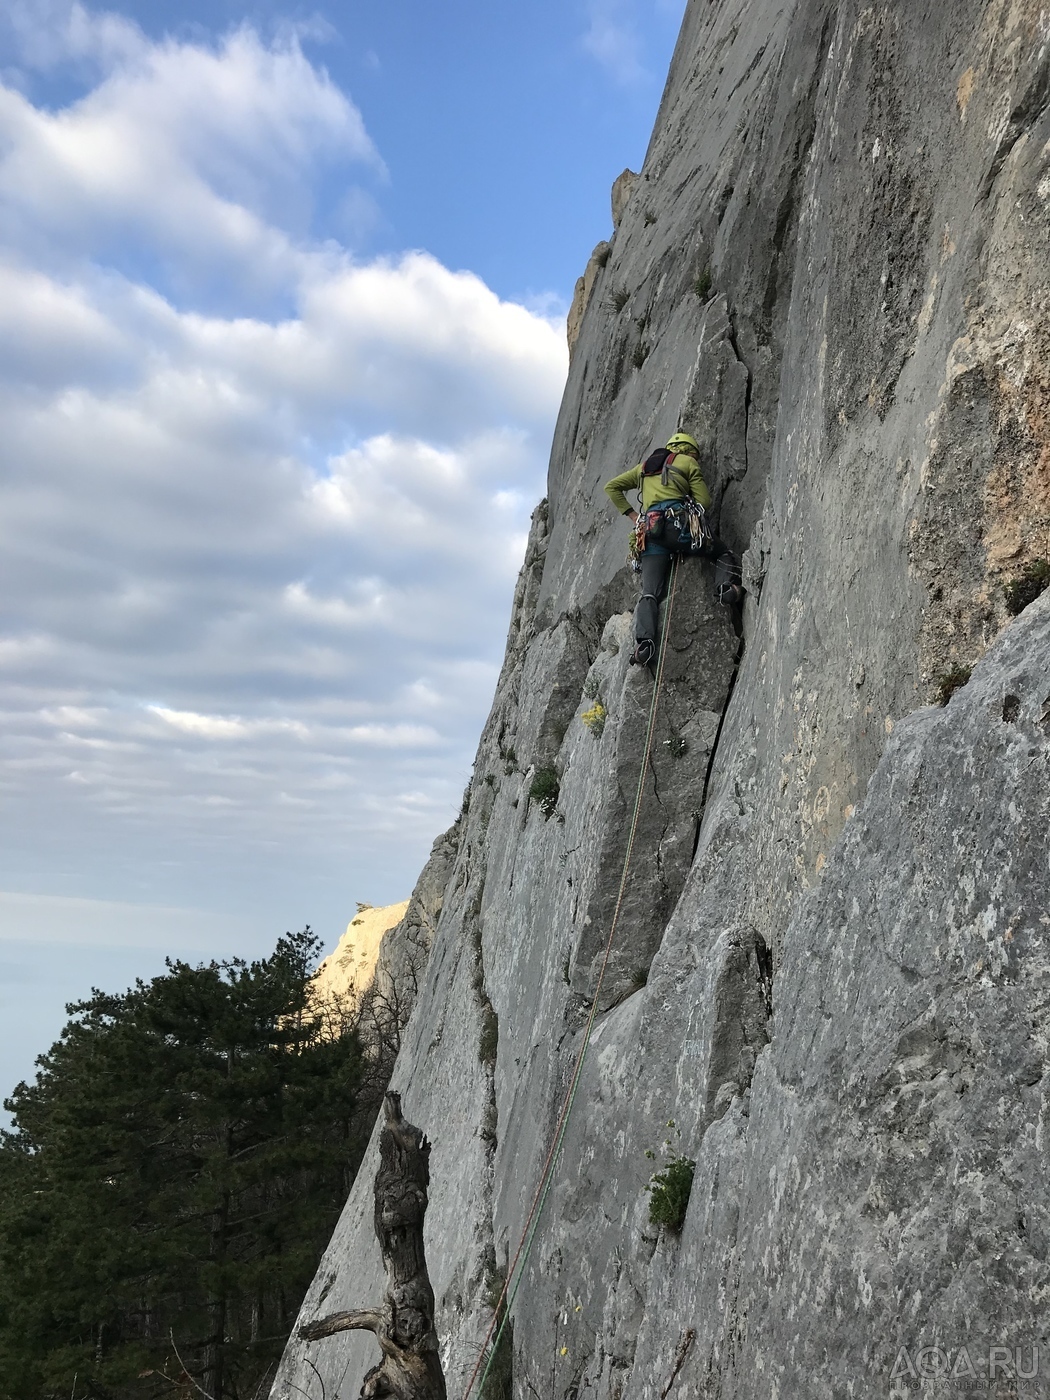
x=582, y=295
x=346, y=974
x=832, y=970
x=623, y=188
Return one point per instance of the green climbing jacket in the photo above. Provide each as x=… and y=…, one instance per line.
x=682, y=470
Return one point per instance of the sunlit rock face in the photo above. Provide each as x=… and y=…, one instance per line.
x=347, y=972
x=833, y=268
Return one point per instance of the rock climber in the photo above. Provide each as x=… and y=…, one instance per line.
x=667, y=481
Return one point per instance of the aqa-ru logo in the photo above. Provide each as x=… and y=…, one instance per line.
x=937, y=1363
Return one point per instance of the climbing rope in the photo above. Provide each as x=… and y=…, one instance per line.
x=501, y=1312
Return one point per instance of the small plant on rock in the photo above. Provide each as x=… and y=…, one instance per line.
x=948, y=682
x=669, y=1187
x=594, y=719
x=488, y=1040
x=544, y=790
x=702, y=285
x=1027, y=587
x=619, y=298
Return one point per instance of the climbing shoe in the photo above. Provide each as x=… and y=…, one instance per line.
x=644, y=652
x=730, y=594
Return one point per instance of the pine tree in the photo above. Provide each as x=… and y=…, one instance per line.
x=176, y=1170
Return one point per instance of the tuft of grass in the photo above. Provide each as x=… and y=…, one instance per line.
x=594, y=719
x=604, y=256
x=544, y=790
x=590, y=688
x=619, y=298
x=948, y=682
x=1027, y=587
x=510, y=760
x=641, y=354
x=649, y=218
x=702, y=285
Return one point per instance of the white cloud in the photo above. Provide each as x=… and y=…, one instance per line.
x=613, y=40
x=208, y=155
x=106, y=923
x=52, y=33
x=222, y=727
x=257, y=564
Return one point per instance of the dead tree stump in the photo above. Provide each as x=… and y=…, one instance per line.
x=404, y=1324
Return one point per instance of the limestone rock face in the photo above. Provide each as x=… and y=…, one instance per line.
x=831, y=970
x=582, y=294
x=623, y=188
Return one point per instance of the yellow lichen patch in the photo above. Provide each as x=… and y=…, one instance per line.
x=964, y=91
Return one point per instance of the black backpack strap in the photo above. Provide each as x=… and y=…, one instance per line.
x=655, y=462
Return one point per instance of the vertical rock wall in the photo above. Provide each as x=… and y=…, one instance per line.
x=834, y=268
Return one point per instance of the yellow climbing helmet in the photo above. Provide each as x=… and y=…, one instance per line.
x=682, y=442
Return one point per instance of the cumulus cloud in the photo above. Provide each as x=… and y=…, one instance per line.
x=202, y=160
x=257, y=546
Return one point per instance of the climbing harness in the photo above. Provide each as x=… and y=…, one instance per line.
x=516, y=1271
x=681, y=527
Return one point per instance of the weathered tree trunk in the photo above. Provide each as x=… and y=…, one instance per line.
x=404, y=1324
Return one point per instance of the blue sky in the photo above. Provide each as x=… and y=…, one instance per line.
x=282, y=298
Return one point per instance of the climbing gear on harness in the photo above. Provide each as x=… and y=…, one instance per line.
x=645, y=651
x=636, y=544
x=680, y=527
x=501, y=1311
x=685, y=527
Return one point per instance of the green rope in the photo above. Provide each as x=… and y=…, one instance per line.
x=521, y=1258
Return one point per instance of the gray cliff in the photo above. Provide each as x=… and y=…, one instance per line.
x=832, y=968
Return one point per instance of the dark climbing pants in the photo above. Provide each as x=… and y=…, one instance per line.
x=656, y=570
